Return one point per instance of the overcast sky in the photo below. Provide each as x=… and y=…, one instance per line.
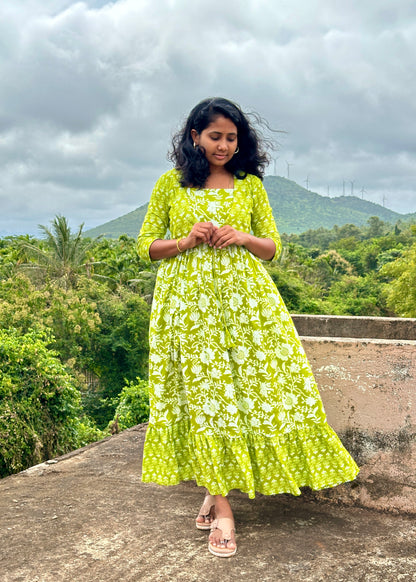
x=91, y=92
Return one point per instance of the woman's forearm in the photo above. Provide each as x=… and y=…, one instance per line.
x=163, y=249
x=263, y=248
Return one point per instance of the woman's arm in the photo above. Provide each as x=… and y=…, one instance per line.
x=201, y=233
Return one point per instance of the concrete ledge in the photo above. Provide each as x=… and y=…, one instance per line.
x=355, y=327
x=368, y=388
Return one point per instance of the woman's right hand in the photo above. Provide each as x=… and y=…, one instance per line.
x=201, y=233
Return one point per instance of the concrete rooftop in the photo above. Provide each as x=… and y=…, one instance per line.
x=86, y=517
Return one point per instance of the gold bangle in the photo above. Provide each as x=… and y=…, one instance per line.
x=177, y=245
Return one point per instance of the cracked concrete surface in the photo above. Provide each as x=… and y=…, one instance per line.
x=88, y=517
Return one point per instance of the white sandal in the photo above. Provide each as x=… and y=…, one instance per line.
x=226, y=525
x=206, y=511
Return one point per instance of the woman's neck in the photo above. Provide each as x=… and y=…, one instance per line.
x=220, y=179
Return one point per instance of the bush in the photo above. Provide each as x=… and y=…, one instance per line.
x=133, y=406
x=39, y=402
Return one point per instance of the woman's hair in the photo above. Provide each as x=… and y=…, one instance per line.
x=251, y=157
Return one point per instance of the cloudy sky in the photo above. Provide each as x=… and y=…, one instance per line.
x=91, y=92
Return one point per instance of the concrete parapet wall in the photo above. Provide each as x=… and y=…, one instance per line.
x=355, y=327
x=368, y=388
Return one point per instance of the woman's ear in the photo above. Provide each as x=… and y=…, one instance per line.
x=195, y=136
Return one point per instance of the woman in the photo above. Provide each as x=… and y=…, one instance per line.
x=233, y=401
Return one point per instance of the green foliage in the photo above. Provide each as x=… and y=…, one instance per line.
x=118, y=261
x=94, y=330
x=67, y=313
x=119, y=348
x=329, y=268
x=133, y=405
x=353, y=295
x=298, y=297
x=60, y=256
x=400, y=291
x=345, y=267
x=39, y=402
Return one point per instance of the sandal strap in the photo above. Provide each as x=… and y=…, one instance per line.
x=209, y=501
x=225, y=524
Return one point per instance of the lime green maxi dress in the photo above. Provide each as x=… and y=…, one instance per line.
x=233, y=402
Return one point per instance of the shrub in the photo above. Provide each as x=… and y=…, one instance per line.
x=40, y=403
x=133, y=405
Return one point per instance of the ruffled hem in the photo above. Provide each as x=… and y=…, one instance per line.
x=313, y=457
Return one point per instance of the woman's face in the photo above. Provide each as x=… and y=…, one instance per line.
x=219, y=140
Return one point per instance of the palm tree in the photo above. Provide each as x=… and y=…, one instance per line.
x=64, y=254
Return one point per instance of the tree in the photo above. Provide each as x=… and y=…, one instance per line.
x=39, y=402
x=400, y=291
x=65, y=254
x=119, y=348
x=376, y=227
x=353, y=295
x=132, y=406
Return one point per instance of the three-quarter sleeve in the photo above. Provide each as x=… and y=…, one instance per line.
x=156, y=221
x=262, y=221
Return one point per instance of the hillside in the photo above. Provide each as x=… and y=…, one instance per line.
x=295, y=210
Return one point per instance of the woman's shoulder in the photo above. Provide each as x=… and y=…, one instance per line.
x=169, y=178
x=251, y=181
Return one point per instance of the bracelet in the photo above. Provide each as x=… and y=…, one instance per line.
x=177, y=245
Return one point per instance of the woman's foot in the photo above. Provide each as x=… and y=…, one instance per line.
x=207, y=513
x=222, y=537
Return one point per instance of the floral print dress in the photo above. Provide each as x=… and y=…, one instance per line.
x=233, y=401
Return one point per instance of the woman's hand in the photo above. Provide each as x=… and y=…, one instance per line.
x=226, y=236
x=202, y=232
x=164, y=248
x=264, y=248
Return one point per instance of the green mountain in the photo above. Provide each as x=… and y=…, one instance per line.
x=295, y=210
x=129, y=224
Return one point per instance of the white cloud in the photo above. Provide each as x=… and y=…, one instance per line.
x=91, y=93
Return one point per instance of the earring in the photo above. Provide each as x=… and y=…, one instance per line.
x=236, y=151
x=195, y=146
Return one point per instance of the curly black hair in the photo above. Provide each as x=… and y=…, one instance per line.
x=192, y=163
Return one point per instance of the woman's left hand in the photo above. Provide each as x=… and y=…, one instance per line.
x=264, y=248
x=226, y=236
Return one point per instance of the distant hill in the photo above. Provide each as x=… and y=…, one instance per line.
x=129, y=224
x=295, y=210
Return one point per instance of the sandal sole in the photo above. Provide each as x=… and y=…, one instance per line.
x=222, y=554
x=204, y=526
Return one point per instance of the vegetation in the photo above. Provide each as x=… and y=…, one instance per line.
x=40, y=402
x=74, y=316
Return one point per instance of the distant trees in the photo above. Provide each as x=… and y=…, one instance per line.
x=62, y=253
x=341, y=270
x=74, y=317
x=401, y=290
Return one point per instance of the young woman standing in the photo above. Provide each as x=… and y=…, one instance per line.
x=233, y=401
